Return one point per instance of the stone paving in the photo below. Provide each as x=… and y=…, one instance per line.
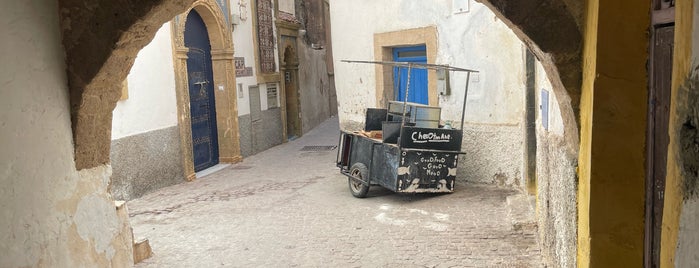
x=290, y=208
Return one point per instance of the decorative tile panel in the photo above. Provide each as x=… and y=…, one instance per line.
x=265, y=36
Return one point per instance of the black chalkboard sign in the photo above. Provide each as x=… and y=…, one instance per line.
x=431, y=138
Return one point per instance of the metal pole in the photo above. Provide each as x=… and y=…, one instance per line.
x=463, y=110
x=405, y=101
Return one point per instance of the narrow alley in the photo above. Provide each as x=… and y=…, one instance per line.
x=290, y=207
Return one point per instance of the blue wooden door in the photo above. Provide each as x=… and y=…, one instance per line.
x=201, y=93
x=418, y=77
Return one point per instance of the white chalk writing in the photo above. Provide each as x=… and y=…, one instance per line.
x=419, y=137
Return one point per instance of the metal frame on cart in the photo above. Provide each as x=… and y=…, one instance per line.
x=409, y=65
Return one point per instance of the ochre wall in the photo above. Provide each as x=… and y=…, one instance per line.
x=589, y=70
x=673, y=192
x=612, y=175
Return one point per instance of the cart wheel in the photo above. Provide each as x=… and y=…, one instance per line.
x=358, y=188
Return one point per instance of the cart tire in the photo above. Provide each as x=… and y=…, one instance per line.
x=357, y=188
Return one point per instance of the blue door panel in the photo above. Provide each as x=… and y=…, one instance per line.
x=201, y=93
x=418, y=77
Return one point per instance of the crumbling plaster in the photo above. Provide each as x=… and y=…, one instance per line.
x=51, y=214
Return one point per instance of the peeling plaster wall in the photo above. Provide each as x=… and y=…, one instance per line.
x=555, y=181
x=151, y=103
x=51, y=214
x=476, y=39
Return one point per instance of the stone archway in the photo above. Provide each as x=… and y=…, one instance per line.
x=552, y=29
x=223, y=66
x=102, y=40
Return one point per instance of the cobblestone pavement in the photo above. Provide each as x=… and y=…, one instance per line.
x=290, y=208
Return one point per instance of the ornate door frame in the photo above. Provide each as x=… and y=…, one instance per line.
x=220, y=36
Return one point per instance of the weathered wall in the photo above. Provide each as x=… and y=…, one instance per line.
x=555, y=182
x=151, y=102
x=476, y=39
x=680, y=237
x=316, y=88
x=51, y=214
x=145, y=162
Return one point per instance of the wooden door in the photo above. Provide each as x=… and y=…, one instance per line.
x=291, y=90
x=201, y=93
x=659, y=114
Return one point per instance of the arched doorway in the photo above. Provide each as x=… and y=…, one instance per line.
x=220, y=128
x=201, y=93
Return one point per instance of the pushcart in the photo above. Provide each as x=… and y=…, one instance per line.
x=404, y=148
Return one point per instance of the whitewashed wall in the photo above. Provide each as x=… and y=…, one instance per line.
x=475, y=39
x=243, y=43
x=555, y=118
x=50, y=214
x=152, y=102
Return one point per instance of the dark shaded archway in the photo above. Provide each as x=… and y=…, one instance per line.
x=552, y=29
x=101, y=40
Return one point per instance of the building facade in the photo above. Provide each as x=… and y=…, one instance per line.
x=218, y=83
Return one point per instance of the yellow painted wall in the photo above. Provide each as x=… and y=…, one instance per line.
x=586, y=101
x=673, y=194
x=613, y=126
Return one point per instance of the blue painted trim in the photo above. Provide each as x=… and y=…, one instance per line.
x=420, y=59
x=418, y=77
